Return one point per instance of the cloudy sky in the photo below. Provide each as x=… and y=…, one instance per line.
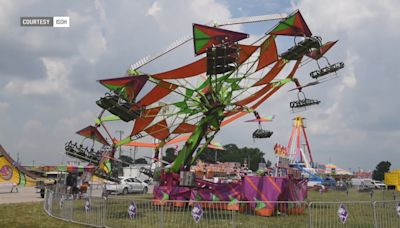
x=48, y=76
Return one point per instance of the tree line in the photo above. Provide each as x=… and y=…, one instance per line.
x=232, y=153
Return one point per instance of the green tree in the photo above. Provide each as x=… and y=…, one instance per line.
x=209, y=155
x=380, y=170
x=169, y=155
x=233, y=153
x=141, y=161
x=126, y=160
x=269, y=163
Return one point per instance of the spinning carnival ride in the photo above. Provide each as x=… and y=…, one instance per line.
x=260, y=132
x=191, y=103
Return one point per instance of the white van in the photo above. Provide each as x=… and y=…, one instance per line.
x=367, y=183
x=378, y=184
x=359, y=181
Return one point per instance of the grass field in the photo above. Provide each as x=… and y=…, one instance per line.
x=354, y=195
x=29, y=215
x=32, y=215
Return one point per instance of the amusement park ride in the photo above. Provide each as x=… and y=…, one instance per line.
x=298, y=138
x=191, y=103
x=260, y=132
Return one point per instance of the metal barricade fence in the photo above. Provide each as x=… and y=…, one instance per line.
x=89, y=211
x=45, y=202
x=341, y=214
x=128, y=211
x=151, y=213
x=284, y=214
x=58, y=205
x=132, y=211
x=387, y=214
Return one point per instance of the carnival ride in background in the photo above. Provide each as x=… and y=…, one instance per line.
x=12, y=172
x=192, y=103
x=298, y=155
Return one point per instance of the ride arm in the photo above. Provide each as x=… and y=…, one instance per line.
x=212, y=119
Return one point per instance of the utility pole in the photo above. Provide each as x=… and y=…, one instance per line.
x=120, y=138
x=120, y=169
x=134, y=153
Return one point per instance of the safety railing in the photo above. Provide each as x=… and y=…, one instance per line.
x=387, y=214
x=339, y=214
x=132, y=211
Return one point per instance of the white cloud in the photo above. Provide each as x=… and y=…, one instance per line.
x=206, y=10
x=347, y=15
x=55, y=80
x=154, y=10
x=200, y=11
x=100, y=10
x=7, y=8
x=349, y=75
x=74, y=122
x=94, y=44
x=78, y=19
x=332, y=122
x=180, y=15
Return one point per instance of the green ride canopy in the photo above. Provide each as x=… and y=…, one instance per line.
x=205, y=37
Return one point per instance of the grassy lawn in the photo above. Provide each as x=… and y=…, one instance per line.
x=148, y=215
x=354, y=195
x=330, y=196
x=29, y=215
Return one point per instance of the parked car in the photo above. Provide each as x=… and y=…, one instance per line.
x=378, y=184
x=127, y=185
